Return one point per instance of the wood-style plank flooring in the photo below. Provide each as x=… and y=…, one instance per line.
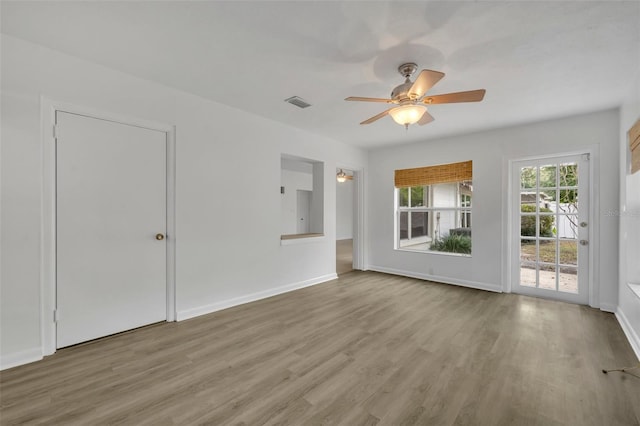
x=366, y=349
x=344, y=256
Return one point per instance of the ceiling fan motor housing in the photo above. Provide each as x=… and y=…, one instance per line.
x=401, y=93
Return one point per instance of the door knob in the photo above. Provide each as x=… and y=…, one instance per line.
x=584, y=242
x=159, y=237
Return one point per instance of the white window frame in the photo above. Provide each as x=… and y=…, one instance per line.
x=398, y=210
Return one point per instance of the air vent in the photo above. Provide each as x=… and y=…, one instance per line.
x=297, y=101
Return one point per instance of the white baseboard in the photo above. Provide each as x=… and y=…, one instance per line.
x=632, y=336
x=19, y=358
x=207, y=309
x=608, y=308
x=464, y=283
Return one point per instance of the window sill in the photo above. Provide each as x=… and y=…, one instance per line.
x=439, y=253
x=292, y=239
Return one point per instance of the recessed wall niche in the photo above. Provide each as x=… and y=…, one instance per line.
x=302, y=197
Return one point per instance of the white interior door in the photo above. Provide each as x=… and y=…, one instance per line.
x=550, y=217
x=111, y=214
x=303, y=209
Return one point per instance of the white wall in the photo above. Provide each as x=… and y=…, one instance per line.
x=490, y=152
x=344, y=210
x=629, y=211
x=220, y=260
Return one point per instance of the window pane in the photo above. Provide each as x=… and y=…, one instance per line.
x=528, y=226
x=568, y=199
x=403, y=197
x=418, y=196
x=547, y=225
x=568, y=174
x=419, y=224
x=547, y=277
x=528, y=177
x=404, y=225
x=568, y=280
x=528, y=251
x=445, y=222
x=547, y=251
x=527, y=274
x=465, y=219
x=567, y=226
x=569, y=252
x=548, y=176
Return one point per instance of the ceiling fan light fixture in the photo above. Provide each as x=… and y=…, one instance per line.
x=341, y=176
x=407, y=114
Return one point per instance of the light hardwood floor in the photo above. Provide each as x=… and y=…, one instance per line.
x=344, y=256
x=367, y=348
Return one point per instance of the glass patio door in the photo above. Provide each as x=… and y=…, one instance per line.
x=550, y=228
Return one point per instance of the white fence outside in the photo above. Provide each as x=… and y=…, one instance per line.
x=566, y=226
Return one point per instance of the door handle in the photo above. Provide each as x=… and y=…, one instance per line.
x=159, y=237
x=584, y=242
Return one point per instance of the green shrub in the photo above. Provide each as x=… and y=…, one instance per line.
x=453, y=244
x=528, y=223
x=460, y=231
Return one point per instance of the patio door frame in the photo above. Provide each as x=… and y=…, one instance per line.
x=513, y=210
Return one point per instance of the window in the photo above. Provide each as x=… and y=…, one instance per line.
x=433, y=208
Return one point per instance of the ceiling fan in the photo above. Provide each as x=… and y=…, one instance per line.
x=411, y=100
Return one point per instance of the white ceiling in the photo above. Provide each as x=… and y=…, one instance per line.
x=537, y=60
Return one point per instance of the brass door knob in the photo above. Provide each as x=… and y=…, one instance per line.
x=159, y=237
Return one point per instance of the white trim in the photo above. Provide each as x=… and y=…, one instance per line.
x=506, y=246
x=628, y=330
x=359, y=247
x=439, y=253
x=594, y=227
x=496, y=288
x=241, y=300
x=20, y=358
x=48, y=108
x=171, y=224
x=606, y=307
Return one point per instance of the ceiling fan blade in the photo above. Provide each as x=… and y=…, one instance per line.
x=361, y=99
x=426, y=119
x=376, y=117
x=425, y=81
x=450, y=98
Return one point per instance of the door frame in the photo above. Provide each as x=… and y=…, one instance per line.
x=48, y=285
x=594, y=219
x=359, y=218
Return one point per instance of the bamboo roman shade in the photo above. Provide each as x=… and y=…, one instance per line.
x=443, y=173
x=634, y=144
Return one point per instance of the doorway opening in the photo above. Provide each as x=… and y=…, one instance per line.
x=345, y=219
